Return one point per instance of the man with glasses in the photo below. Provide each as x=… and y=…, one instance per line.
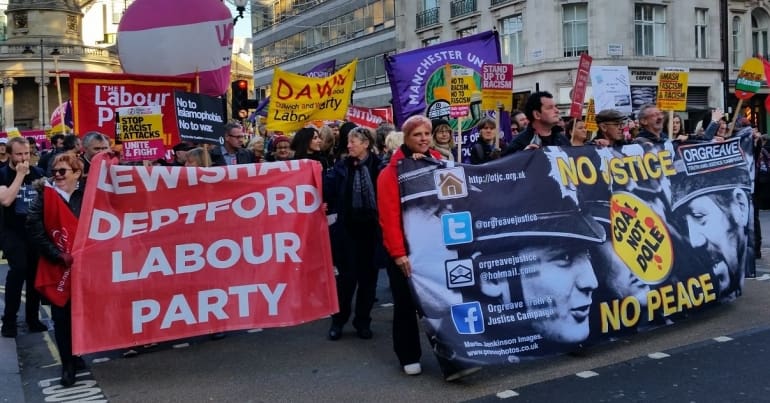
x=610, y=124
x=232, y=151
x=16, y=192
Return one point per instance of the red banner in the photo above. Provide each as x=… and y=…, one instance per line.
x=95, y=96
x=581, y=82
x=163, y=253
x=369, y=117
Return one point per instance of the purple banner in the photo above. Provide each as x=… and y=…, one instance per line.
x=324, y=69
x=418, y=85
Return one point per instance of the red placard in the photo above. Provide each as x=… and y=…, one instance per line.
x=163, y=253
x=369, y=117
x=581, y=82
x=95, y=96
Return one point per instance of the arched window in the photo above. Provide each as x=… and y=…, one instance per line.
x=760, y=25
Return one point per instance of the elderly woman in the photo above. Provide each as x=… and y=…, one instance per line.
x=197, y=157
x=59, y=202
x=281, y=149
x=257, y=147
x=406, y=332
x=350, y=192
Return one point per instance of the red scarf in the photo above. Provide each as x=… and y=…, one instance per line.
x=53, y=278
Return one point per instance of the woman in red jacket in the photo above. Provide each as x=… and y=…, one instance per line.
x=406, y=332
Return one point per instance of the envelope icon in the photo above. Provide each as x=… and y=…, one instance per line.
x=459, y=273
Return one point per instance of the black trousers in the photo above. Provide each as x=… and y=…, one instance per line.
x=406, y=331
x=62, y=321
x=357, y=274
x=22, y=268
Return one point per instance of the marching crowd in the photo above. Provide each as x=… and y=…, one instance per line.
x=360, y=188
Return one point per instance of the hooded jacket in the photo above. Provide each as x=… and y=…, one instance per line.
x=389, y=203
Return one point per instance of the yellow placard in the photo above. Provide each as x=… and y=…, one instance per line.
x=672, y=90
x=296, y=100
x=13, y=132
x=140, y=127
x=591, y=125
x=491, y=100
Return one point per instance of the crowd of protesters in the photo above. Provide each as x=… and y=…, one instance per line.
x=360, y=191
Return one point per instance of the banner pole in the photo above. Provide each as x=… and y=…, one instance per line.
x=734, y=119
x=671, y=125
x=497, y=125
x=459, y=139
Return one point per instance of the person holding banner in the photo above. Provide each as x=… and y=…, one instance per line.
x=55, y=211
x=543, y=129
x=485, y=149
x=349, y=191
x=610, y=123
x=406, y=332
x=16, y=193
x=281, y=149
x=652, y=122
x=442, y=139
x=93, y=143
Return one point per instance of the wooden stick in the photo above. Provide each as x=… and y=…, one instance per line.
x=735, y=118
x=671, y=125
x=497, y=125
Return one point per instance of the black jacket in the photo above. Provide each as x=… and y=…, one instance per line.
x=36, y=226
x=557, y=138
x=337, y=183
x=242, y=156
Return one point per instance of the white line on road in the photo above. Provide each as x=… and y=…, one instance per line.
x=181, y=345
x=587, y=374
x=658, y=356
x=506, y=394
x=100, y=360
x=722, y=339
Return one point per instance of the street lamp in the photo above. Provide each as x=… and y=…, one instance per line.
x=240, y=6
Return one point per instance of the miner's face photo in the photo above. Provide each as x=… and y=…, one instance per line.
x=564, y=274
x=717, y=223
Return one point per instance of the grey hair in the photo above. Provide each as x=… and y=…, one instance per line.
x=92, y=136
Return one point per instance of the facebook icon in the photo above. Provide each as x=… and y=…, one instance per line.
x=457, y=228
x=467, y=318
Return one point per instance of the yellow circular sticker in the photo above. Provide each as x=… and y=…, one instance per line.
x=640, y=238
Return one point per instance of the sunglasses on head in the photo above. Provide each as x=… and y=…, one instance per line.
x=60, y=171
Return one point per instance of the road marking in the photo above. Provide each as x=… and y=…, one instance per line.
x=587, y=374
x=763, y=277
x=722, y=339
x=100, y=360
x=658, y=356
x=506, y=394
x=181, y=345
x=386, y=305
x=253, y=330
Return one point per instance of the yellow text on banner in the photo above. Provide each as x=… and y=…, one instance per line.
x=672, y=90
x=296, y=100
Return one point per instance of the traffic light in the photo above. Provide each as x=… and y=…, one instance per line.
x=240, y=97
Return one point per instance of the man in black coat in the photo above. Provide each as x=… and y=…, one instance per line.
x=543, y=129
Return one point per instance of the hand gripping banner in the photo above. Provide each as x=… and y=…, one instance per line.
x=586, y=244
x=163, y=253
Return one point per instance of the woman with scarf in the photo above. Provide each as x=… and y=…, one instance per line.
x=350, y=192
x=442, y=139
x=56, y=212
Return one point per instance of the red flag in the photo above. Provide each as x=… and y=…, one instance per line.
x=53, y=279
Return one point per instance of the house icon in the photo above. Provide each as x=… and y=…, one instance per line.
x=451, y=183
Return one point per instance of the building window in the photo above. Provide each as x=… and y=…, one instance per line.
x=467, y=32
x=430, y=41
x=650, y=30
x=371, y=71
x=575, y=27
x=759, y=28
x=511, y=39
x=737, y=55
x=701, y=28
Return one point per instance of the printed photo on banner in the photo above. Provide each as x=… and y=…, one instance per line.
x=591, y=244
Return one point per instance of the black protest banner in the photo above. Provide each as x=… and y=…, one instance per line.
x=587, y=244
x=200, y=118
